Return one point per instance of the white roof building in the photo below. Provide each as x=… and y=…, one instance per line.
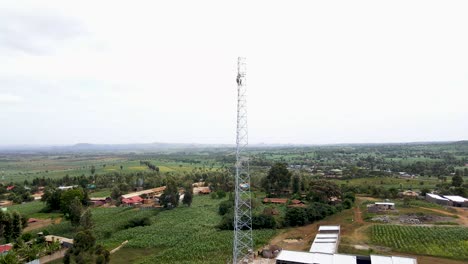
x=456, y=198
x=392, y=260
x=385, y=203
x=329, y=228
x=325, y=243
x=287, y=256
x=324, y=248
x=435, y=196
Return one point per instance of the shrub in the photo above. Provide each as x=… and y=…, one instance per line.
x=144, y=221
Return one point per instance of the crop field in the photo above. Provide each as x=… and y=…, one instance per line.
x=451, y=242
x=181, y=235
x=20, y=168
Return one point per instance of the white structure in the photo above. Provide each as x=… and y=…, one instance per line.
x=242, y=251
x=63, y=188
x=324, y=248
x=326, y=241
x=457, y=200
x=288, y=257
x=392, y=260
x=434, y=198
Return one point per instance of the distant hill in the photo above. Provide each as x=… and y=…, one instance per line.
x=165, y=147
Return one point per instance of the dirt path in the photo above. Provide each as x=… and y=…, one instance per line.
x=358, y=214
x=41, y=223
x=462, y=214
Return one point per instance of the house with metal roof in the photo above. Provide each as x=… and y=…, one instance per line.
x=434, y=198
x=324, y=251
x=457, y=201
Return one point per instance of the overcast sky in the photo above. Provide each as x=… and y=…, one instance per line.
x=164, y=71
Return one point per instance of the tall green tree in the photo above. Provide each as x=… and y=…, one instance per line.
x=16, y=225
x=170, y=196
x=68, y=196
x=457, y=180
x=86, y=220
x=277, y=180
x=323, y=191
x=295, y=184
x=75, y=211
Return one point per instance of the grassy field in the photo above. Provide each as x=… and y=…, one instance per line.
x=449, y=242
x=20, y=168
x=182, y=235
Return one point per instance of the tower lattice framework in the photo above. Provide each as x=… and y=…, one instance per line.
x=243, y=244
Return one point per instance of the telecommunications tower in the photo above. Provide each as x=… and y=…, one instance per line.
x=243, y=245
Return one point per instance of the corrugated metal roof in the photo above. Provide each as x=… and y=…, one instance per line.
x=154, y=190
x=392, y=260
x=329, y=235
x=456, y=198
x=435, y=196
x=323, y=247
x=329, y=228
x=315, y=258
x=381, y=259
x=382, y=203
x=296, y=256
x=345, y=259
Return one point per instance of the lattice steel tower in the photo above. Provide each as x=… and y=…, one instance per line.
x=243, y=245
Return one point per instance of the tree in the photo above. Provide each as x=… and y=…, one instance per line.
x=74, y=212
x=457, y=181
x=52, y=198
x=86, y=220
x=187, y=198
x=116, y=193
x=16, y=225
x=68, y=196
x=277, y=180
x=93, y=170
x=295, y=184
x=7, y=227
x=323, y=191
x=424, y=191
x=170, y=196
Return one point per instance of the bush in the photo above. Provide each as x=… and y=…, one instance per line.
x=144, y=221
x=263, y=221
x=225, y=207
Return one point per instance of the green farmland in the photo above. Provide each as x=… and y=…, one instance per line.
x=451, y=242
x=182, y=235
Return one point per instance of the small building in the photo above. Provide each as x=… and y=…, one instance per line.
x=5, y=248
x=297, y=203
x=64, y=188
x=457, y=201
x=297, y=257
x=434, y=198
x=98, y=201
x=204, y=190
x=275, y=200
x=380, y=206
x=409, y=193
x=323, y=251
x=150, y=193
x=132, y=201
x=64, y=242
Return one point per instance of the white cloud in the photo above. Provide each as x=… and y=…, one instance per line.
x=9, y=98
x=318, y=72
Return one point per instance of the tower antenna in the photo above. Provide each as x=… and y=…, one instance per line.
x=243, y=244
